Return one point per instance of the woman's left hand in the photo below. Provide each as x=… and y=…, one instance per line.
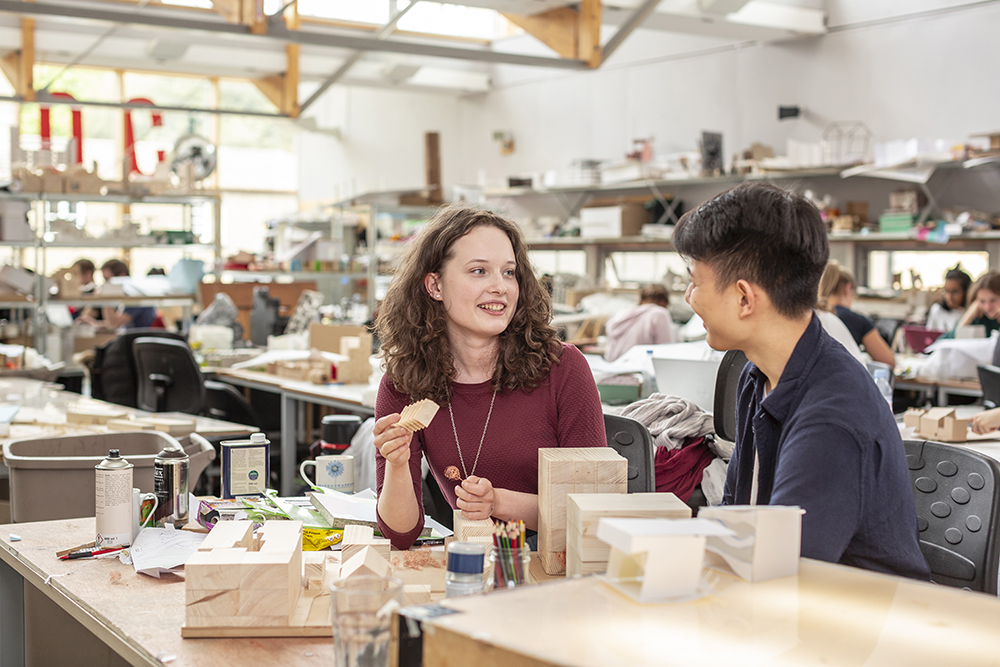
x=476, y=498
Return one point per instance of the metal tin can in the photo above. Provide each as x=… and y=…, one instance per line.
x=246, y=466
x=113, y=502
x=170, y=484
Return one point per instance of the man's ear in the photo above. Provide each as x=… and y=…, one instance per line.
x=749, y=297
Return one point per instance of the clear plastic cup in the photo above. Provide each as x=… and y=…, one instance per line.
x=361, y=615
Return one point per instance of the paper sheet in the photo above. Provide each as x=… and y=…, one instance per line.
x=158, y=550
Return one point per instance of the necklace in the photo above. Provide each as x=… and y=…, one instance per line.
x=459, y=447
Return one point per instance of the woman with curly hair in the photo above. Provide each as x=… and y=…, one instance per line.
x=465, y=323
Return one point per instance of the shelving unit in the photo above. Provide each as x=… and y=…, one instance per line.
x=40, y=245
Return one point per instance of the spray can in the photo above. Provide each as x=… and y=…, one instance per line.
x=170, y=484
x=246, y=466
x=114, y=502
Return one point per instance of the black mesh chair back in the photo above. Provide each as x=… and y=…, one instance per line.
x=112, y=372
x=633, y=441
x=169, y=379
x=726, y=381
x=958, y=513
x=223, y=401
x=989, y=380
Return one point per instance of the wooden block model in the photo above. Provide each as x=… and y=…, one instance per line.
x=127, y=425
x=239, y=585
x=585, y=554
x=366, y=561
x=562, y=471
x=313, y=569
x=93, y=415
x=357, y=538
x=171, y=425
x=416, y=594
x=417, y=415
x=357, y=369
x=937, y=424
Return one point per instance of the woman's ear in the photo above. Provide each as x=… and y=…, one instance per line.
x=432, y=282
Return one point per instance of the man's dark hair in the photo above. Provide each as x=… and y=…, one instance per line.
x=84, y=266
x=115, y=267
x=765, y=235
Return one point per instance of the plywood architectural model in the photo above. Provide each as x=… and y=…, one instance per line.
x=562, y=471
x=585, y=553
x=937, y=424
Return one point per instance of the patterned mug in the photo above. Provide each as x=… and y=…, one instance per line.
x=333, y=471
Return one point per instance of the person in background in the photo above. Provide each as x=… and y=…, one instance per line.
x=130, y=317
x=945, y=314
x=984, y=305
x=837, y=291
x=833, y=324
x=465, y=323
x=85, y=269
x=811, y=428
x=648, y=323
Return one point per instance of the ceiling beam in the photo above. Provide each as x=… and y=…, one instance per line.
x=636, y=19
x=383, y=33
x=280, y=32
x=589, y=44
x=19, y=66
x=558, y=29
x=46, y=98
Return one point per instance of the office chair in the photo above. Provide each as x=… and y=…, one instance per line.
x=113, y=376
x=989, y=380
x=957, y=495
x=168, y=376
x=264, y=317
x=726, y=381
x=633, y=441
x=223, y=401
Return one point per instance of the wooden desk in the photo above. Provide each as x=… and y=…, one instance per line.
x=827, y=615
x=138, y=616
x=43, y=408
x=355, y=398
x=942, y=387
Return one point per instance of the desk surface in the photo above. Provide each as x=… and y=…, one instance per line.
x=43, y=412
x=140, y=617
x=363, y=395
x=827, y=615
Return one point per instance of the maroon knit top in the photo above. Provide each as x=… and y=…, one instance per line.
x=564, y=410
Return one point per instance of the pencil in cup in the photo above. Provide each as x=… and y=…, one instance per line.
x=510, y=556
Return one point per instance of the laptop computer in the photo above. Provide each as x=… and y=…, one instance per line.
x=688, y=378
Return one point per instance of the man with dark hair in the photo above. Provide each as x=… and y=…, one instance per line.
x=812, y=428
x=130, y=317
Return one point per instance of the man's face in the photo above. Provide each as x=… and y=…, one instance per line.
x=718, y=309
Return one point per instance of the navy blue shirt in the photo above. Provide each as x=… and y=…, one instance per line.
x=856, y=323
x=142, y=317
x=827, y=442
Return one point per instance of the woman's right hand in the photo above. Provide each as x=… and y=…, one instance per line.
x=392, y=441
x=987, y=421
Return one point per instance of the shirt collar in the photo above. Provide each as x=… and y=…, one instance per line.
x=781, y=399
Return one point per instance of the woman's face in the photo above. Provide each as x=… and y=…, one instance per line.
x=989, y=303
x=954, y=295
x=478, y=285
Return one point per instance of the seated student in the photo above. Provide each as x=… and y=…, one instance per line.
x=812, y=429
x=130, y=317
x=837, y=290
x=648, y=323
x=984, y=305
x=84, y=269
x=465, y=323
x=832, y=324
x=945, y=314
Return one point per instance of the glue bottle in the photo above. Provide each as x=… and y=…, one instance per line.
x=465, y=569
x=113, y=502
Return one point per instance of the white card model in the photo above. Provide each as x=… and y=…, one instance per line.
x=765, y=540
x=655, y=560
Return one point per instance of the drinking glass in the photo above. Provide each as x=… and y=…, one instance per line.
x=361, y=610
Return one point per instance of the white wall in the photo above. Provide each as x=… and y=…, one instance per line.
x=928, y=76
x=381, y=144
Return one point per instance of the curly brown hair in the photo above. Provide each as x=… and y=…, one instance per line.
x=413, y=327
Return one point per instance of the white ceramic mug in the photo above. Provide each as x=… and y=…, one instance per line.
x=138, y=499
x=333, y=471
